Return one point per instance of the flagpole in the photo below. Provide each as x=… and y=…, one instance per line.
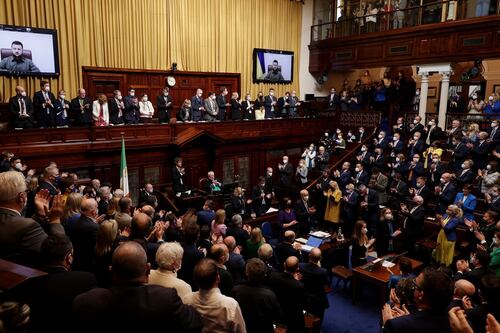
x=124, y=185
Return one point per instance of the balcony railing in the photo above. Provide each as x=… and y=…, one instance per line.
x=397, y=18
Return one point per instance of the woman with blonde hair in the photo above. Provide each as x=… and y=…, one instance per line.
x=254, y=243
x=333, y=196
x=445, y=248
x=113, y=208
x=473, y=132
x=72, y=211
x=106, y=242
x=219, y=227
x=301, y=173
x=31, y=188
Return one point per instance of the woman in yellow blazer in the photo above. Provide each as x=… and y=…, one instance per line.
x=333, y=196
x=432, y=150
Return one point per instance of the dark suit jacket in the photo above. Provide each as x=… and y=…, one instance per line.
x=177, y=185
x=59, y=108
x=259, y=305
x=303, y=215
x=421, y=321
x=465, y=178
x=259, y=204
x=435, y=176
x=114, y=112
x=418, y=128
x=447, y=197
x=480, y=154
x=248, y=112
x=221, y=102
x=85, y=118
x=21, y=238
x=383, y=144
x=283, y=251
x=424, y=192
x=164, y=107
x=196, y=104
x=286, y=175
x=351, y=206
x=189, y=260
x=363, y=178
x=50, y=297
x=434, y=135
x=131, y=114
x=293, y=300
x=268, y=100
x=121, y=308
x=333, y=101
x=344, y=179
x=414, y=224
x=83, y=238
x=315, y=279
x=40, y=112
x=15, y=110
x=236, y=267
x=417, y=148
x=399, y=147
x=235, y=110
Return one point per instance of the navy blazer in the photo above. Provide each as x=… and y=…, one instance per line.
x=447, y=197
x=421, y=321
x=221, y=102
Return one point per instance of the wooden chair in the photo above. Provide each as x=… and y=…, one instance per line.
x=343, y=274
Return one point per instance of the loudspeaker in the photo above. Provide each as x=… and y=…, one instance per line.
x=174, y=66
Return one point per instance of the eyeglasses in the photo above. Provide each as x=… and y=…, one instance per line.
x=414, y=285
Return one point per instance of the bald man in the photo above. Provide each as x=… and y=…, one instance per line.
x=413, y=225
x=315, y=279
x=21, y=109
x=291, y=294
x=463, y=289
x=446, y=193
x=130, y=302
x=286, y=248
x=220, y=254
x=235, y=264
x=80, y=107
x=140, y=228
x=83, y=236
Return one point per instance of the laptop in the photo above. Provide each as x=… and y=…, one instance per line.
x=312, y=242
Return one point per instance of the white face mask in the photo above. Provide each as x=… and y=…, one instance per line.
x=132, y=94
x=397, y=159
x=463, y=165
x=415, y=121
x=271, y=94
x=356, y=169
x=474, y=96
x=306, y=198
x=119, y=97
x=380, y=136
x=47, y=89
x=395, y=139
x=144, y=99
x=415, y=160
x=165, y=94
x=285, y=161
x=23, y=93
x=388, y=216
x=442, y=180
x=363, y=149
x=62, y=96
x=490, y=98
x=493, y=124
x=270, y=174
x=488, y=167
x=435, y=160
x=431, y=123
x=18, y=166
x=311, y=148
x=338, y=131
x=364, y=231
x=361, y=130
x=415, y=138
x=326, y=134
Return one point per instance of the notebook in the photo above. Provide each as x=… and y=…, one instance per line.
x=312, y=242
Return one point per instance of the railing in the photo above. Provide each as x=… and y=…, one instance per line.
x=379, y=20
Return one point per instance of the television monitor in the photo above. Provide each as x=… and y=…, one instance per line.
x=26, y=51
x=272, y=66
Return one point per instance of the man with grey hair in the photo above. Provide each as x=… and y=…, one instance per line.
x=413, y=225
x=131, y=302
x=169, y=260
x=240, y=232
x=266, y=254
x=83, y=235
x=49, y=181
x=105, y=195
x=21, y=238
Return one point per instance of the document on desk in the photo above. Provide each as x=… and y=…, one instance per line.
x=320, y=234
x=301, y=240
x=271, y=210
x=388, y=264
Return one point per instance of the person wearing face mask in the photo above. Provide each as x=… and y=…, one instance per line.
x=364, y=157
x=398, y=191
x=415, y=145
x=235, y=107
x=430, y=152
x=197, y=106
x=360, y=176
x=81, y=108
x=43, y=103
x=105, y=194
x=261, y=199
x=421, y=188
x=322, y=158
x=475, y=107
x=400, y=127
x=351, y=137
x=238, y=202
x=379, y=183
x=435, y=170
x=416, y=126
x=397, y=145
x=495, y=254
x=492, y=198
x=332, y=211
x=466, y=201
x=285, y=170
x=100, y=111
x=61, y=108
x=360, y=244
x=50, y=180
x=211, y=107
x=465, y=175
x=293, y=103
x=301, y=174
x=222, y=103
x=488, y=177
x=480, y=150
x=21, y=109
x=343, y=176
x=378, y=159
x=248, y=108
x=116, y=108
x=492, y=107
x=413, y=225
x=333, y=100
x=129, y=98
x=350, y=208
x=445, y=248
x=381, y=141
x=386, y=232
x=304, y=210
x=309, y=156
x=339, y=144
x=369, y=207
x=446, y=192
x=283, y=105
x=146, y=110
x=459, y=151
x=362, y=134
x=270, y=104
x=432, y=132
x=326, y=141
x=415, y=169
x=164, y=104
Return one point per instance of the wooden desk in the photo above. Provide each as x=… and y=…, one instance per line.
x=379, y=277
x=12, y=274
x=257, y=222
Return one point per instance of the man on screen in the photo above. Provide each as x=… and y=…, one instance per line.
x=275, y=74
x=16, y=62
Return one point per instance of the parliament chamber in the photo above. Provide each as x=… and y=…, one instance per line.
x=250, y=166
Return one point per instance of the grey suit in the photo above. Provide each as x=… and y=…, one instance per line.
x=21, y=238
x=212, y=109
x=380, y=186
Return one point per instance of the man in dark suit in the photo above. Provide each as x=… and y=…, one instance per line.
x=435, y=170
x=446, y=193
x=21, y=109
x=50, y=296
x=480, y=150
x=285, y=249
x=197, y=106
x=369, y=205
x=322, y=158
x=378, y=159
x=131, y=302
x=20, y=237
x=398, y=191
x=397, y=145
x=178, y=174
x=415, y=169
x=432, y=132
x=333, y=100
x=364, y=157
x=304, y=211
x=222, y=103
x=43, y=103
x=415, y=145
x=207, y=214
x=61, y=108
x=291, y=294
x=350, y=209
x=259, y=305
x=416, y=126
x=116, y=108
x=283, y=105
x=164, y=104
x=480, y=261
x=382, y=141
x=83, y=236
x=459, y=151
x=235, y=264
x=236, y=230
x=494, y=133
x=270, y=102
x=81, y=108
x=286, y=172
x=211, y=107
x=49, y=181
x=259, y=197
x=433, y=293
x=400, y=128
x=343, y=177
x=360, y=176
x=315, y=279
x=413, y=224
x=192, y=255
x=421, y=189
x=490, y=304
x=465, y=175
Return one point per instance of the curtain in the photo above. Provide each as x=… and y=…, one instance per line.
x=199, y=35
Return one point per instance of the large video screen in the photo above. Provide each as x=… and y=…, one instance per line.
x=272, y=66
x=26, y=51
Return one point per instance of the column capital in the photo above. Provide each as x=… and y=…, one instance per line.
x=445, y=76
x=424, y=75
